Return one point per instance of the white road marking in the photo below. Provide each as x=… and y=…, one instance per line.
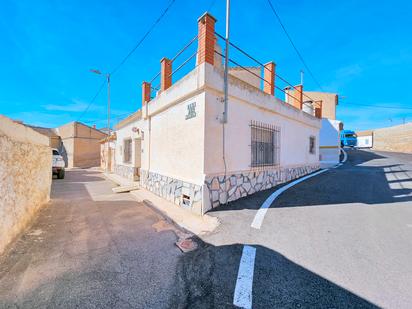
x=244, y=282
x=260, y=215
x=345, y=155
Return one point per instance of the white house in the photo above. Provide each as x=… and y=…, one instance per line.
x=179, y=148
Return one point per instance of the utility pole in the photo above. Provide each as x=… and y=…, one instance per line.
x=108, y=116
x=225, y=77
x=108, y=103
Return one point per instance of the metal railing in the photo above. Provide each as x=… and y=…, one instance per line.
x=262, y=65
x=180, y=52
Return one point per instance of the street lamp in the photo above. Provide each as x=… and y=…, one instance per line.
x=108, y=117
x=108, y=97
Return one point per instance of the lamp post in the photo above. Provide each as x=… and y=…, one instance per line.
x=108, y=115
x=108, y=97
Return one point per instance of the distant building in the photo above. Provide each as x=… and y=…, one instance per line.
x=78, y=143
x=396, y=138
x=324, y=103
x=329, y=101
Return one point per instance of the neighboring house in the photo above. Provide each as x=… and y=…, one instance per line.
x=54, y=139
x=178, y=147
x=329, y=101
x=365, y=139
x=329, y=133
x=329, y=143
x=396, y=138
x=78, y=143
x=107, y=155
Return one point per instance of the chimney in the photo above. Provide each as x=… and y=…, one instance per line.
x=206, y=39
x=269, y=77
x=287, y=94
x=146, y=92
x=318, y=109
x=165, y=75
x=94, y=126
x=296, y=99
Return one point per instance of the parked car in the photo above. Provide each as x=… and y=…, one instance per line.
x=348, y=138
x=58, y=164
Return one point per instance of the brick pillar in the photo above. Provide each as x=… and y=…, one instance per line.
x=165, y=74
x=318, y=109
x=297, y=97
x=146, y=92
x=269, y=77
x=206, y=39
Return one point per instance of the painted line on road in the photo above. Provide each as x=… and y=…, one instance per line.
x=260, y=215
x=345, y=155
x=244, y=282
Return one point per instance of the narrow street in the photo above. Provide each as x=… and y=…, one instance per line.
x=341, y=239
x=91, y=248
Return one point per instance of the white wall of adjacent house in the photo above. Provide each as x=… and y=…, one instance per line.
x=127, y=132
x=365, y=141
x=246, y=104
x=329, y=142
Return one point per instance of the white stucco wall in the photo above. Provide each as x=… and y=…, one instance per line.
x=176, y=145
x=246, y=103
x=25, y=177
x=126, y=132
x=329, y=142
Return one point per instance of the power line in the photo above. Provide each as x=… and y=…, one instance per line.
x=144, y=36
x=92, y=100
x=130, y=53
x=379, y=106
x=293, y=44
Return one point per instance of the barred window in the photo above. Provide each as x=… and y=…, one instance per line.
x=312, y=145
x=127, y=151
x=265, y=141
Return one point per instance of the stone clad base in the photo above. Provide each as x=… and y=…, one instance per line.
x=173, y=189
x=128, y=172
x=235, y=186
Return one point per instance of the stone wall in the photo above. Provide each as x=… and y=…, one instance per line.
x=25, y=177
x=126, y=171
x=397, y=138
x=223, y=190
x=173, y=190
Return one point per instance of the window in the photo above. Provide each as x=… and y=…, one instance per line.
x=127, y=151
x=265, y=140
x=312, y=145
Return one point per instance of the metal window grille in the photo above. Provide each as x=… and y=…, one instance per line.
x=265, y=144
x=312, y=143
x=127, y=154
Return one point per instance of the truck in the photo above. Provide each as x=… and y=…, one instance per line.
x=348, y=138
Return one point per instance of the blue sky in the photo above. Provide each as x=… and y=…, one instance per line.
x=359, y=49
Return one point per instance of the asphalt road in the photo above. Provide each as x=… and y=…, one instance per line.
x=342, y=239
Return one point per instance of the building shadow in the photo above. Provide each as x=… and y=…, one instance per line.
x=362, y=179
x=206, y=278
